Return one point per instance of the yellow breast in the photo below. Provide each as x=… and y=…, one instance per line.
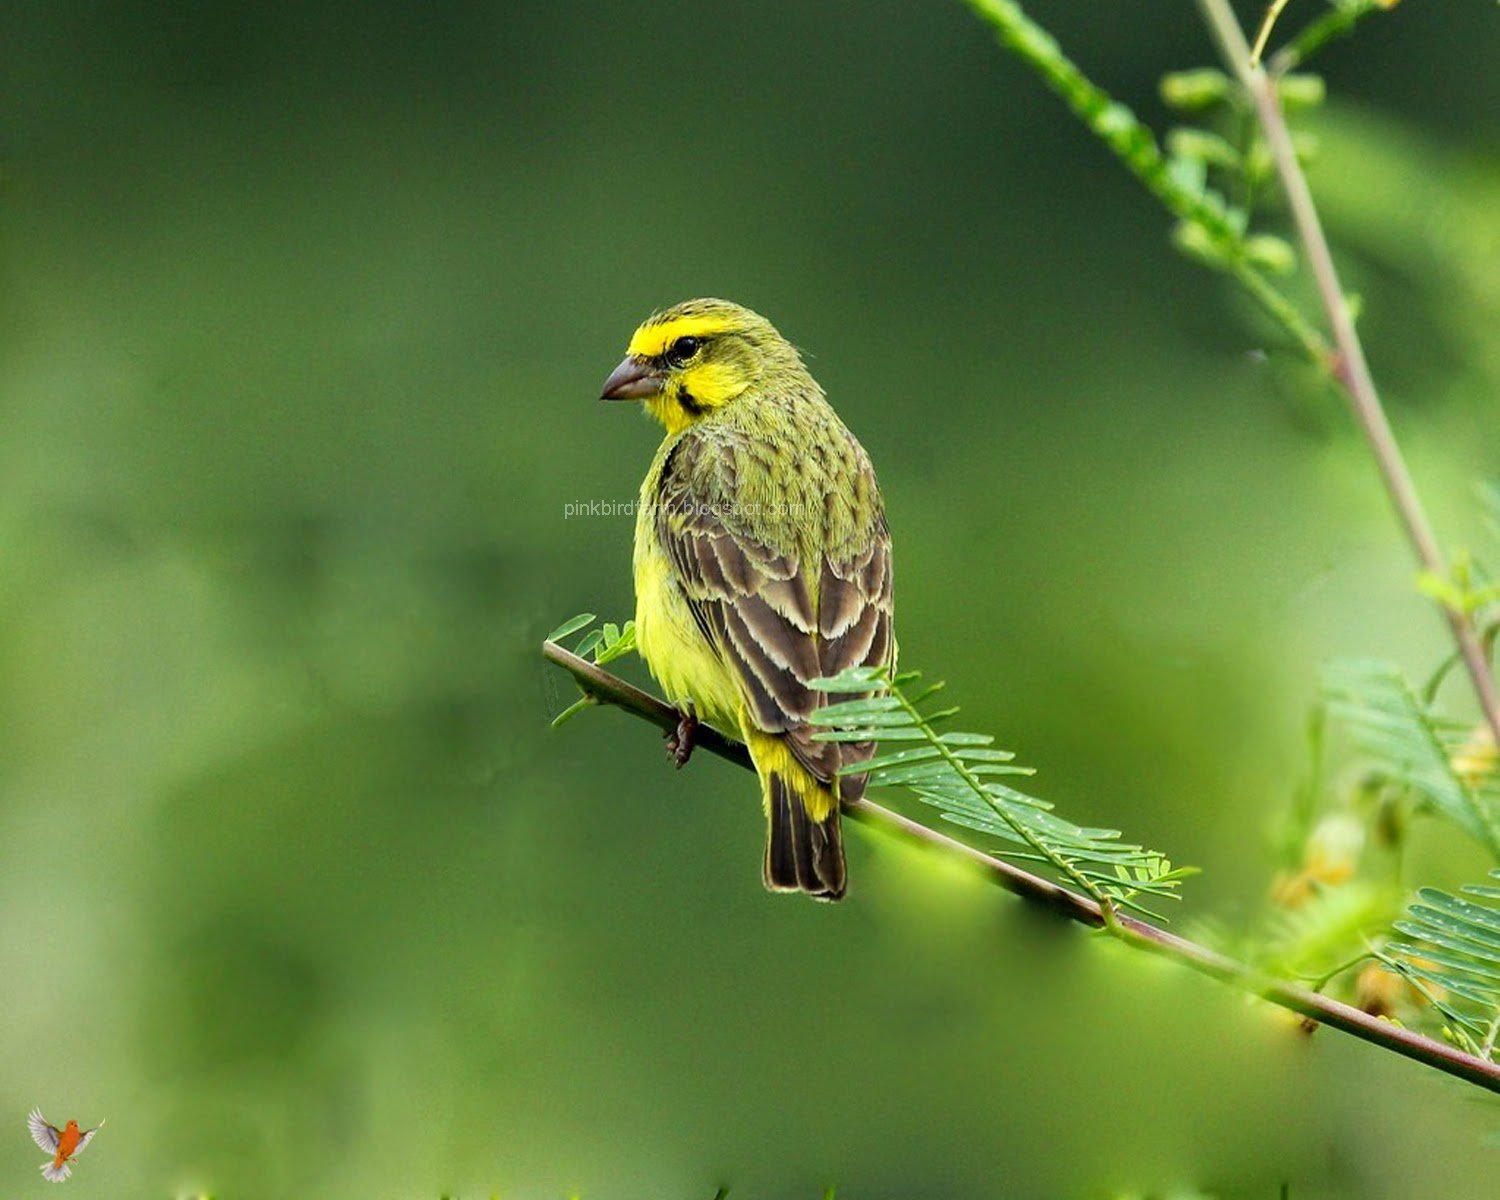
x=683, y=661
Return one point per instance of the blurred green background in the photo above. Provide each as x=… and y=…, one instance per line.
x=304, y=312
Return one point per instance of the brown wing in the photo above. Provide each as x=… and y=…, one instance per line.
x=855, y=605
x=753, y=603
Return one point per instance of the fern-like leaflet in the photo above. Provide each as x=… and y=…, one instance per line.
x=960, y=775
x=1414, y=747
x=1452, y=956
x=607, y=643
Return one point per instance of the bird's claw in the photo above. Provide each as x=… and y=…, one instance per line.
x=681, y=741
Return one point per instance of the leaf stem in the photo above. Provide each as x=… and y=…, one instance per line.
x=1323, y=980
x=1335, y=23
x=1349, y=366
x=1264, y=36
x=1458, y=1023
x=1136, y=147
x=1057, y=861
x=610, y=689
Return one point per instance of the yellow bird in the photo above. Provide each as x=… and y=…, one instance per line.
x=762, y=562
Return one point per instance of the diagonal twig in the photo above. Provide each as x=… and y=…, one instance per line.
x=1349, y=366
x=609, y=689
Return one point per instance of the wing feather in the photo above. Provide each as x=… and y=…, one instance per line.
x=43, y=1134
x=773, y=692
x=856, y=627
x=755, y=601
x=726, y=568
x=88, y=1136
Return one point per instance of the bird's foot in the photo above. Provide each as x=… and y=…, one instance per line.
x=681, y=741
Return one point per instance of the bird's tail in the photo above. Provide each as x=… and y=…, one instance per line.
x=56, y=1172
x=804, y=849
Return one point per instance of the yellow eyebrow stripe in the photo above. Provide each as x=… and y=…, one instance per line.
x=650, y=340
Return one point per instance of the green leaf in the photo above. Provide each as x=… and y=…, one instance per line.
x=1473, y=916
x=1471, y=969
x=862, y=734
x=591, y=639
x=1194, y=240
x=896, y=759
x=571, y=625
x=1272, y=253
x=1442, y=589
x=1454, y=945
x=1408, y=744
x=926, y=693
x=1203, y=146
x=567, y=714
x=1301, y=92
x=1194, y=91
x=1448, y=938
x=855, y=679
x=956, y=772
x=868, y=717
x=979, y=754
x=847, y=712
x=1189, y=174
x=623, y=644
x=966, y=739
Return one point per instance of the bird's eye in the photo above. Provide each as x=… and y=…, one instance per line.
x=682, y=349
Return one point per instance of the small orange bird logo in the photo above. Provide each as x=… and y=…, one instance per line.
x=63, y=1144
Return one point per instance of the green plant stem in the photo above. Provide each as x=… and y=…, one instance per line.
x=609, y=689
x=1349, y=365
x=1334, y=23
x=1273, y=13
x=1137, y=149
x=1323, y=980
x=1457, y=1022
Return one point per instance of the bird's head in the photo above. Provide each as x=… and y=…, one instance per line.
x=693, y=358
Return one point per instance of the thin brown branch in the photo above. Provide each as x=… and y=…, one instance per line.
x=609, y=689
x=1350, y=367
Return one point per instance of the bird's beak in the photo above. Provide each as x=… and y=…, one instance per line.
x=633, y=379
